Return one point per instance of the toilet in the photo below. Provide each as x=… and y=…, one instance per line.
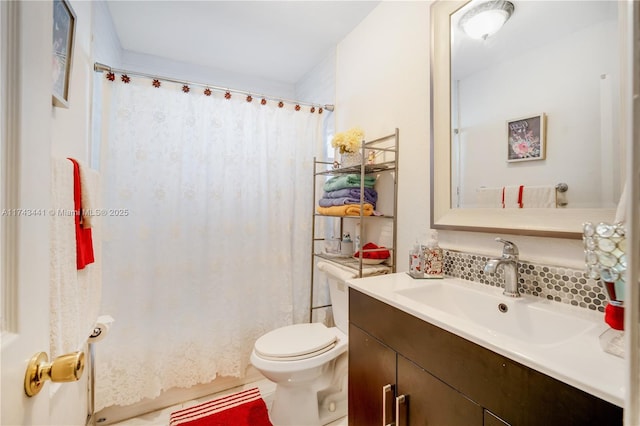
x=308, y=364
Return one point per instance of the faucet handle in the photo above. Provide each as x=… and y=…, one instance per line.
x=509, y=247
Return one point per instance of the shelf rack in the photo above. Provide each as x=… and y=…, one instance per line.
x=389, y=146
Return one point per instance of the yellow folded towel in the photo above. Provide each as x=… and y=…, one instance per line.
x=347, y=210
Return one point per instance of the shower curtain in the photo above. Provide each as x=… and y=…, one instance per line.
x=208, y=206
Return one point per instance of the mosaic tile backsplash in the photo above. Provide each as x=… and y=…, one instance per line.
x=557, y=283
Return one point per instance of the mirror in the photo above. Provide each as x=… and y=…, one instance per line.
x=531, y=106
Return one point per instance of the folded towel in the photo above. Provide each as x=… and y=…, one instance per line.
x=348, y=196
x=489, y=198
x=328, y=202
x=348, y=181
x=512, y=197
x=369, y=194
x=84, y=243
x=347, y=210
x=344, y=273
x=336, y=271
x=540, y=197
x=382, y=254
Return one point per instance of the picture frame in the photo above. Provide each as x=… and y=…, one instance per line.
x=64, y=28
x=526, y=138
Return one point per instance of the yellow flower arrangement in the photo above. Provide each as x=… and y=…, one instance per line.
x=348, y=141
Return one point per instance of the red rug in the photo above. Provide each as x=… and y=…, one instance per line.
x=246, y=408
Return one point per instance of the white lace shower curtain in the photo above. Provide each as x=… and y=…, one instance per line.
x=206, y=238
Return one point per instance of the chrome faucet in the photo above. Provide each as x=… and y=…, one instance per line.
x=509, y=263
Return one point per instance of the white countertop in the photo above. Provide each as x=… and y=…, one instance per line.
x=578, y=361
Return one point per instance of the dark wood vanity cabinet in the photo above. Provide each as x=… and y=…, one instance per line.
x=415, y=373
x=372, y=365
x=429, y=401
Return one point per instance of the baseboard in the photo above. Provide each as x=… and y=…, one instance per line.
x=173, y=397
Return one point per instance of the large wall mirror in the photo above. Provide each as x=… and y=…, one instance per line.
x=526, y=121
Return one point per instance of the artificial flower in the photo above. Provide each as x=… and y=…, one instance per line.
x=348, y=141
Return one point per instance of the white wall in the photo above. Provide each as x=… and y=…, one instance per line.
x=156, y=65
x=382, y=82
x=106, y=44
x=318, y=85
x=108, y=51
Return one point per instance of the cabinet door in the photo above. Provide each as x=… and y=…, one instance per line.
x=372, y=365
x=432, y=402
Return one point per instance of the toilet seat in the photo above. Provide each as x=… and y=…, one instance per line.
x=295, y=342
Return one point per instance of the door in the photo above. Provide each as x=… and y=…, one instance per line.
x=428, y=401
x=25, y=83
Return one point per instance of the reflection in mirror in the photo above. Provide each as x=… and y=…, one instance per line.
x=563, y=66
x=537, y=104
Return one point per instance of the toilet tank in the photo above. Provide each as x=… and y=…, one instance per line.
x=339, y=293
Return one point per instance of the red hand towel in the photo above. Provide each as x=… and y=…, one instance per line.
x=520, y=195
x=84, y=242
x=382, y=254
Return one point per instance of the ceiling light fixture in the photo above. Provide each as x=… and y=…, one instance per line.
x=485, y=19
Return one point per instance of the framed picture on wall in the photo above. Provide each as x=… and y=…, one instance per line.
x=64, y=26
x=526, y=138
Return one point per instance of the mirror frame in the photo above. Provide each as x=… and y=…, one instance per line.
x=557, y=223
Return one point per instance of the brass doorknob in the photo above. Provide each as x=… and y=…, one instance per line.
x=65, y=368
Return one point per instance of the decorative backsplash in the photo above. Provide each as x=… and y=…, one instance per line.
x=557, y=283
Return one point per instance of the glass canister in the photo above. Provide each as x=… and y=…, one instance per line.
x=606, y=260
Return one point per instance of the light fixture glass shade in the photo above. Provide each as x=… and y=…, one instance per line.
x=486, y=19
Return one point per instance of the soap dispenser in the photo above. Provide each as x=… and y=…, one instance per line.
x=416, y=261
x=433, y=258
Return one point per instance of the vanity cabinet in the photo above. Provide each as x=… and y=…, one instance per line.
x=438, y=378
x=379, y=379
x=372, y=366
x=426, y=400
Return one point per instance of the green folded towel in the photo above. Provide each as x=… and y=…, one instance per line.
x=348, y=181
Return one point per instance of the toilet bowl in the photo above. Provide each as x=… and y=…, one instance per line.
x=308, y=363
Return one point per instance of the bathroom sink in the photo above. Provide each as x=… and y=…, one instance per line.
x=557, y=339
x=528, y=319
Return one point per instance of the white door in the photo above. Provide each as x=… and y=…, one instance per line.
x=25, y=75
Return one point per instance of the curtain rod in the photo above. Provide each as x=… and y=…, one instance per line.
x=98, y=67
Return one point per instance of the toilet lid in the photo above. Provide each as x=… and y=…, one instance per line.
x=297, y=341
